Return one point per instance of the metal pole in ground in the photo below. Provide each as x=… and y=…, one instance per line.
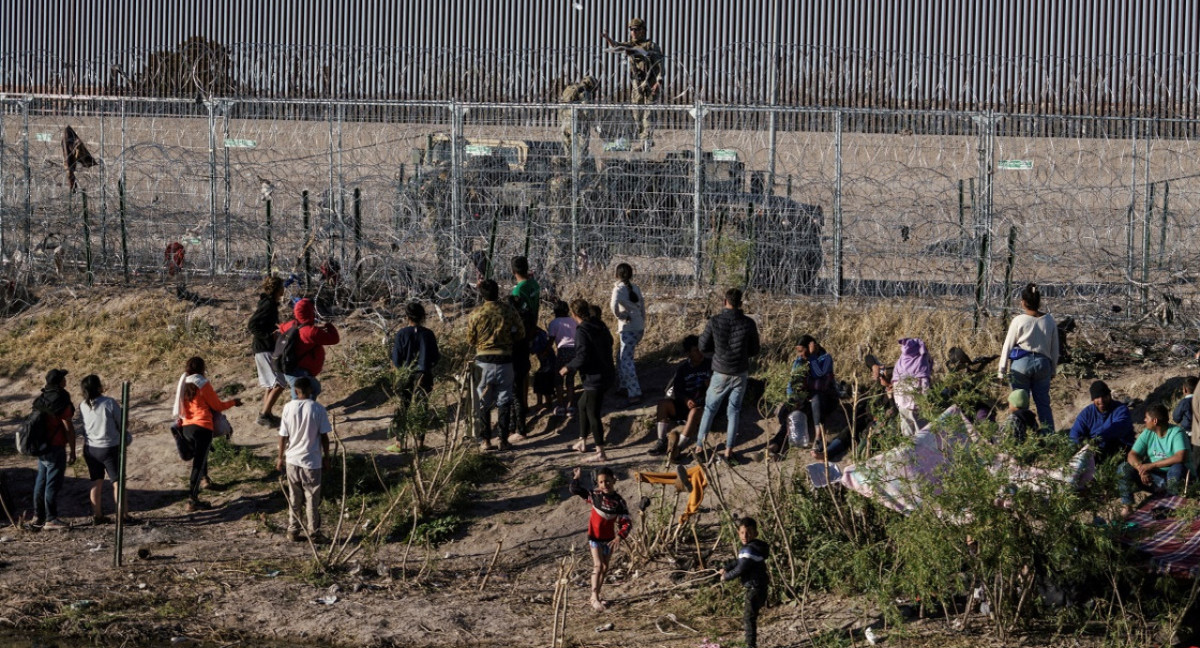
x=1008, y=270
x=119, y=544
x=227, y=198
x=456, y=162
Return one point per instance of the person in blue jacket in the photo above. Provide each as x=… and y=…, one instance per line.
x=1105, y=423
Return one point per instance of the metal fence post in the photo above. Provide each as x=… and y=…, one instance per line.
x=87, y=240
x=456, y=164
x=270, y=243
x=341, y=185
x=1129, y=224
x=576, y=155
x=838, y=276
x=103, y=201
x=3, y=220
x=124, y=232
x=308, y=241
x=226, y=108
x=697, y=189
x=28, y=173
x=332, y=200
x=1148, y=209
x=357, y=240
x=212, y=187
x=1162, y=244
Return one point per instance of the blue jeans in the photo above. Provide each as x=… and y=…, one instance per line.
x=1128, y=481
x=494, y=389
x=1033, y=373
x=301, y=373
x=51, y=472
x=721, y=386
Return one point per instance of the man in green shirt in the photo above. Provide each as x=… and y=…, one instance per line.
x=527, y=299
x=1157, y=461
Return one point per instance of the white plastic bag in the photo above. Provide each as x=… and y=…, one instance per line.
x=798, y=429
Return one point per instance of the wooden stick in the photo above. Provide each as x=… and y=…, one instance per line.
x=486, y=574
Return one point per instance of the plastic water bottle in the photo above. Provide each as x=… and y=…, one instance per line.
x=798, y=429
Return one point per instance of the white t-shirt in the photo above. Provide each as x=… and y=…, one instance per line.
x=303, y=422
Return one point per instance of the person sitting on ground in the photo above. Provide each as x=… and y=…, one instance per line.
x=732, y=339
x=594, y=362
x=1105, y=423
x=59, y=412
x=1182, y=414
x=811, y=389
x=102, y=445
x=491, y=330
x=264, y=331
x=751, y=568
x=415, y=351
x=685, y=399
x=562, y=332
x=1021, y=420
x=607, y=525
x=304, y=447
x=310, y=345
x=1157, y=461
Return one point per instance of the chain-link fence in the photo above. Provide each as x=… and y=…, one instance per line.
x=420, y=197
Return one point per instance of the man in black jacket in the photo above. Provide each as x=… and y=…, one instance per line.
x=732, y=338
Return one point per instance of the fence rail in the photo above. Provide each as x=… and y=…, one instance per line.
x=416, y=198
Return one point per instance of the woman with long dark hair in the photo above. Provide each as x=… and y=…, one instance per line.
x=593, y=362
x=1030, y=353
x=196, y=403
x=629, y=307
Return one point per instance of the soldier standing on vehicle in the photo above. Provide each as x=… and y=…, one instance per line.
x=582, y=92
x=645, y=63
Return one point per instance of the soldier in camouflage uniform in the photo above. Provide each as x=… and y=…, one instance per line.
x=582, y=92
x=645, y=62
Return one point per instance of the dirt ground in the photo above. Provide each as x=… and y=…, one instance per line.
x=229, y=575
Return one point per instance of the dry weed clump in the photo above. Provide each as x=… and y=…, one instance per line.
x=129, y=335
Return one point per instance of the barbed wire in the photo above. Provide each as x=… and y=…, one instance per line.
x=417, y=204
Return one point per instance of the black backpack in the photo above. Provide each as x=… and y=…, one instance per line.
x=32, y=439
x=285, y=358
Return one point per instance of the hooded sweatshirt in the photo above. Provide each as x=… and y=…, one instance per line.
x=199, y=409
x=310, y=347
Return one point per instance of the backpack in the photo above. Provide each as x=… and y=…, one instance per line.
x=32, y=439
x=285, y=359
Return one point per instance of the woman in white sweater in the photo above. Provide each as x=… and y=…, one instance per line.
x=1030, y=353
x=629, y=307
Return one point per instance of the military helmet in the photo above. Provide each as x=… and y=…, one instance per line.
x=589, y=82
x=637, y=24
